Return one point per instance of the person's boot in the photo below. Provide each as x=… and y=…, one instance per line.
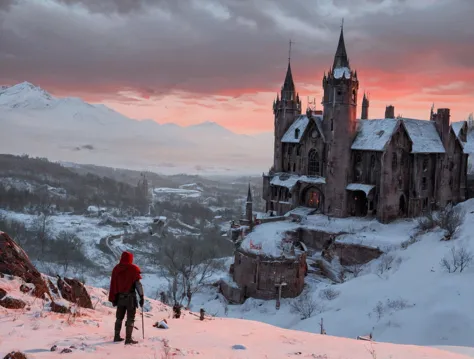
x=117, y=338
x=128, y=336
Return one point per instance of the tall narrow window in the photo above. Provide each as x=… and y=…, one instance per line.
x=394, y=161
x=297, y=133
x=372, y=161
x=314, y=166
x=425, y=164
x=332, y=124
x=298, y=150
x=424, y=183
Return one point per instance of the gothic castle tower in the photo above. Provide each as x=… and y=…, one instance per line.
x=340, y=87
x=365, y=108
x=285, y=108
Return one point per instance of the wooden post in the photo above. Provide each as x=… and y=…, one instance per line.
x=279, y=294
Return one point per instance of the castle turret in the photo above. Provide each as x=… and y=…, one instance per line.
x=340, y=105
x=365, y=108
x=390, y=112
x=285, y=108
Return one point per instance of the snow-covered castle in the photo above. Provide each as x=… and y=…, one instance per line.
x=340, y=165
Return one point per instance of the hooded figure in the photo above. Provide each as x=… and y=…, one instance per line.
x=123, y=284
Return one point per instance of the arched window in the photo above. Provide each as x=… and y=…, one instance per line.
x=354, y=96
x=314, y=166
x=298, y=151
x=332, y=124
x=297, y=133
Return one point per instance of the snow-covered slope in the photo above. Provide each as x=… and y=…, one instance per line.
x=69, y=129
x=89, y=335
x=405, y=296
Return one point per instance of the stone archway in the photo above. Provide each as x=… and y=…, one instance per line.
x=402, y=206
x=312, y=197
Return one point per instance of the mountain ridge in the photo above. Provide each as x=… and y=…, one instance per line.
x=70, y=129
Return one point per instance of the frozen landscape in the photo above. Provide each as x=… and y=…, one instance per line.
x=405, y=297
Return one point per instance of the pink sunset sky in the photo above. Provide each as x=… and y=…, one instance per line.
x=189, y=61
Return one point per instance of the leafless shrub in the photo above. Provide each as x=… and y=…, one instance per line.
x=305, y=306
x=450, y=219
x=355, y=269
x=391, y=305
x=397, y=304
x=457, y=258
x=379, y=310
x=385, y=264
x=427, y=222
x=329, y=294
x=413, y=239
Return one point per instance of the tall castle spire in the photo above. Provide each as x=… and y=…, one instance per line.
x=340, y=59
x=288, y=88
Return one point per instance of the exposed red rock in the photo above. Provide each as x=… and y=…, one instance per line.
x=15, y=355
x=12, y=303
x=74, y=291
x=14, y=261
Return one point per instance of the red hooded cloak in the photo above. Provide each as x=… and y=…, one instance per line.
x=124, y=275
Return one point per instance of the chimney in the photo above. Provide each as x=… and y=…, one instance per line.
x=441, y=120
x=390, y=112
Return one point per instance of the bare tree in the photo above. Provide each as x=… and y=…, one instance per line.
x=69, y=249
x=187, y=263
x=450, y=219
x=41, y=228
x=457, y=258
x=305, y=306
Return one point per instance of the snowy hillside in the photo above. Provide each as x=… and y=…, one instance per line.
x=34, y=331
x=69, y=129
x=406, y=296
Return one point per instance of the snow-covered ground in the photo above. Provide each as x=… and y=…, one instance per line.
x=404, y=297
x=36, y=331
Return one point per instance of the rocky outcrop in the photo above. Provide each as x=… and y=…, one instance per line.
x=74, y=291
x=15, y=355
x=14, y=261
x=12, y=303
x=59, y=308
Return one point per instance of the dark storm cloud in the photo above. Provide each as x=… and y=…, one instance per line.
x=228, y=46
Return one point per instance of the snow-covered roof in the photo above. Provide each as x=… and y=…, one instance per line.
x=457, y=127
x=298, y=127
x=374, y=135
x=289, y=180
x=424, y=136
x=360, y=187
x=342, y=71
x=301, y=124
x=269, y=239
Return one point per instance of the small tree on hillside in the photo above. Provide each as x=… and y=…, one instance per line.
x=41, y=229
x=187, y=264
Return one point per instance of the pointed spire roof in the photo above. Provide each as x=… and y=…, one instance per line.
x=249, y=195
x=288, y=85
x=365, y=99
x=340, y=59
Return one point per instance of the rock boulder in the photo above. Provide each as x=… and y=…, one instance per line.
x=14, y=261
x=74, y=291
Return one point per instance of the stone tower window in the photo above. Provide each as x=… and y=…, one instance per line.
x=372, y=161
x=425, y=164
x=332, y=124
x=424, y=183
x=314, y=166
x=353, y=96
x=297, y=133
x=394, y=161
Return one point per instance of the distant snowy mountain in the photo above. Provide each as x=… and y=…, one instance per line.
x=70, y=129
